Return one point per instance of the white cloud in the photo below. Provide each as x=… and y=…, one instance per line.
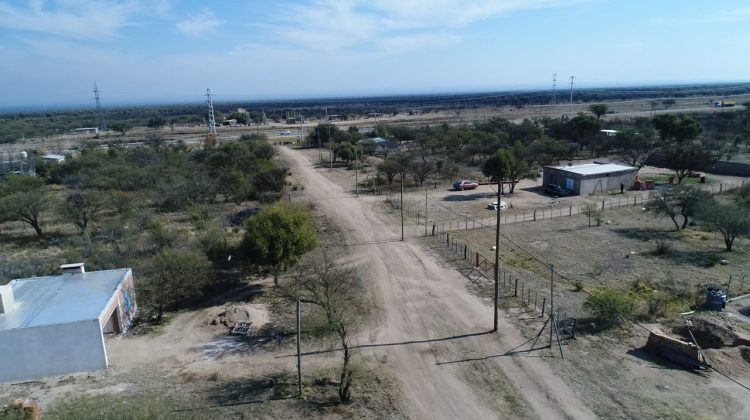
x=70, y=18
x=337, y=24
x=199, y=24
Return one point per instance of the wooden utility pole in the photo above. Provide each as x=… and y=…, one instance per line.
x=402, y=206
x=497, y=260
x=356, y=174
x=425, y=212
x=551, y=301
x=299, y=355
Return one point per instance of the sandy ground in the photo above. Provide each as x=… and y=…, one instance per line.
x=609, y=375
x=431, y=328
x=194, y=135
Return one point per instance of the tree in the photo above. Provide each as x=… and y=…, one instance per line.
x=173, y=277
x=672, y=128
x=681, y=152
x=635, y=146
x=389, y=168
x=348, y=151
x=729, y=219
x=23, y=199
x=337, y=292
x=420, y=169
x=668, y=103
x=81, y=207
x=157, y=123
x=598, y=110
x=686, y=159
x=498, y=166
x=678, y=201
x=584, y=129
x=277, y=237
x=120, y=127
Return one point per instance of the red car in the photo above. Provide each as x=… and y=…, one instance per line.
x=464, y=185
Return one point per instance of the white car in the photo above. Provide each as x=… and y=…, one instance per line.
x=493, y=206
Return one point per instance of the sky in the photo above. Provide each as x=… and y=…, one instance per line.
x=165, y=51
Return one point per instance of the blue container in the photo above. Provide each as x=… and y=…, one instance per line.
x=716, y=299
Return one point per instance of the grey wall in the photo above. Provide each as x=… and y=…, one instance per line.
x=607, y=183
x=33, y=353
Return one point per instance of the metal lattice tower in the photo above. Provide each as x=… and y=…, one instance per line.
x=101, y=123
x=211, y=116
x=572, y=80
x=554, y=89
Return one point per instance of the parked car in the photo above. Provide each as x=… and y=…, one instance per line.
x=464, y=184
x=556, y=190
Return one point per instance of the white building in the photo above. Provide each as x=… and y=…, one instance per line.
x=87, y=130
x=590, y=178
x=56, y=325
x=54, y=158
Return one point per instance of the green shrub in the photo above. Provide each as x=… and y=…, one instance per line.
x=606, y=305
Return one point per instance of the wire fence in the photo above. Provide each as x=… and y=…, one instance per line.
x=533, y=290
x=414, y=213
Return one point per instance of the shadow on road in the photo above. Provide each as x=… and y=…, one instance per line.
x=469, y=197
x=399, y=343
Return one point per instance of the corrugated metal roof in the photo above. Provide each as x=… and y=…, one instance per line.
x=595, y=168
x=61, y=299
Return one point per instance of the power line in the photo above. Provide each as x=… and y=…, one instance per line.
x=591, y=295
x=101, y=123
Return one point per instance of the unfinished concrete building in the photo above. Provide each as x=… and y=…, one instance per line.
x=56, y=325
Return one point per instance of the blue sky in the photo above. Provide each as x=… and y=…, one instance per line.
x=172, y=50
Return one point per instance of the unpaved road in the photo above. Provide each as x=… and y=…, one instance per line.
x=430, y=329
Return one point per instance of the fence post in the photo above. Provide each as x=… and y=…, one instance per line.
x=602, y=205
x=535, y=215
x=521, y=293
x=634, y=201
x=544, y=305
x=447, y=239
x=465, y=251
x=729, y=286
x=721, y=187
x=433, y=230
x=536, y=296
x=515, y=289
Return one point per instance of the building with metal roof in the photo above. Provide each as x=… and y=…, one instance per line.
x=590, y=178
x=56, y=325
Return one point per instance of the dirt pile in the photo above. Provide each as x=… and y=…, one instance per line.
x=711, y=334
x=227, y=316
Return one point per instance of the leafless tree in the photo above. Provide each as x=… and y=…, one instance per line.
x=335, y=291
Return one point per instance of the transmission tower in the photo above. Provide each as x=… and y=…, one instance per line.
x=572, y=80
x=554, y=89
x=101, y=124
x=212, y=136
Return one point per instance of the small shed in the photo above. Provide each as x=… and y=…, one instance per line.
x=590, y=178
x=56, y=325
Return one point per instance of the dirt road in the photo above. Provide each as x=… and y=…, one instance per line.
x=431, y=332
